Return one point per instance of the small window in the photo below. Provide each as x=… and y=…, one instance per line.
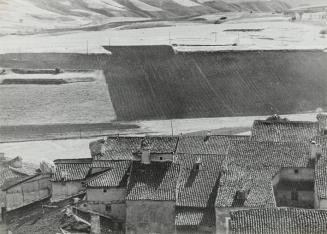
x=197, y=166
x=325, y=131
x=294, y=196
x=296, y=171
x=108, y=207
x=161, y=158
x=104, y=190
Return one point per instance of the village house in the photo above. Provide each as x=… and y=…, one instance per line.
x=27, y=191
x=156, y=148
x=68, y=177
x=207, y=144
x=197, y=187
x=151, y=198
x=284, y=131
x=106, y=192
x=12, y=170
x=248, y=172
x=114, y=148
x=278, y=220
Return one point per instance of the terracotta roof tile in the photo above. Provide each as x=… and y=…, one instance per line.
x=186, y=217
x=215, y=144
x=278, y=221
x=160, y=144
x=71, y=169
x=198, y=187
x=112, y=177
x=155, y=181
x=284, y=131
x=250, y=166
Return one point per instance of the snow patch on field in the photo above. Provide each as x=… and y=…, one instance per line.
x=36, y=151
x=275, y=35
x=143, y=6
x=187, y=3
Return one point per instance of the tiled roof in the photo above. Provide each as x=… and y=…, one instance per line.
x=278, y=221
x=103, y=163
x=250, y=166
x=6, y=174
x=112, y=177
x=71, y=169
x=155, y=181
x=118, y=148
x=160, y=144
x=198, y=187
x=26, y=169
x=321, y=177
x=284, y=131
x=186, y=217
x=216, y=144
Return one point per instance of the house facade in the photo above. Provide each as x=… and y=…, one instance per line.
x=68, y=177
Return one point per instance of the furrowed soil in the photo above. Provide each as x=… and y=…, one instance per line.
x=152, y=82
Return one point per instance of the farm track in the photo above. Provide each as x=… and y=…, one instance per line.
x=151, y=82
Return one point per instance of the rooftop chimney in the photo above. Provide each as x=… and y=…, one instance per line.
x=145, y=151
x=207, y=136
x=315, y=151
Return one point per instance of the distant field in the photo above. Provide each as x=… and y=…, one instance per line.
x=153, y=83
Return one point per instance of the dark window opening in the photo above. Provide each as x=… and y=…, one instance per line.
x=104, y=190
x=296, y=171
x=294, y=196
x=325, y=131
x=108, y=207
x=161, y=158
x=197, y=166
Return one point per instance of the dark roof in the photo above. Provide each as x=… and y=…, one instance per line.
x=103, y=164
x=186, y=217
x=118, y=148
x=159, y=144
x=198, y=187
x=111, y=177
x=215, y=144
x=250, y=167
x=284, y=131
x=71, y=169
x=278, y=221
x=155, y=181
x=321, y=177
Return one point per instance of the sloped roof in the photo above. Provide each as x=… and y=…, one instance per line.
x=103, y=163
x=250, y=166
x=198, y=187
x=215, y=144
x=278, y=220
x=155, y=181
x=71, y=169
x=321, y=177
x=186, y=217
x=11, y=183
x=110, y=178
x=118, y=148
x=284, y=131
x=160, y=144
x=7, y=174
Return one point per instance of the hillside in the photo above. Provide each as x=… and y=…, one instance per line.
x=151, y=82
x=31, y=16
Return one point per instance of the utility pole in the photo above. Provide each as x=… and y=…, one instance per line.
x=172, y=128
x=87, y=47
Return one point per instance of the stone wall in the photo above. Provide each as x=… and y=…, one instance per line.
x=28, y=192
x=150, y=217
x=63, y=190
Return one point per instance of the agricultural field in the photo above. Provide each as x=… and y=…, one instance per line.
x=151, y=82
